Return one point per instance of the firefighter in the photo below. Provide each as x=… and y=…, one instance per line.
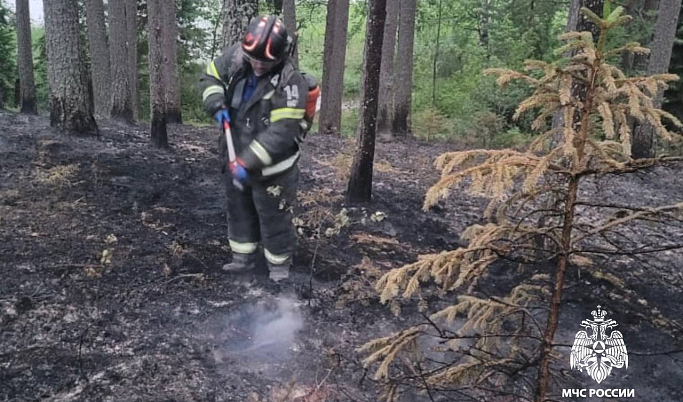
x=255, y=86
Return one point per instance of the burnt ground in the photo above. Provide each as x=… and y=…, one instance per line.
x=111, y=290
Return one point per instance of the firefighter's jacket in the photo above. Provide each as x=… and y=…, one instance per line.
x=267, y=128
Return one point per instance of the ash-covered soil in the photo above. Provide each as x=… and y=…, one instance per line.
x=111, y=290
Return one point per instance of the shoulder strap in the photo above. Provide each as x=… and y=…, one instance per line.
x=285, y=74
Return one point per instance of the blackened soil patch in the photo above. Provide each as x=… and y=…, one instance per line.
x=110, y=256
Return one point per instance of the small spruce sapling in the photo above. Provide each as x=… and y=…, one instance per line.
x=505, y=344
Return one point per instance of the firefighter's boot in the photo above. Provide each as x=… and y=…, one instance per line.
x=279, y=272
x=241, y=263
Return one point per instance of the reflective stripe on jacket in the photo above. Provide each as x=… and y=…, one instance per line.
x=267, y=127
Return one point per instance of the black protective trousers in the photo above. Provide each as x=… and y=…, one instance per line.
x=262, y=213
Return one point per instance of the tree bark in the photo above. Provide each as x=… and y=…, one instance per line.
x=17, y=92
x=99, y=54
x=674, y=95
x=171, y=75
x=436, y=51
x=336, y=32
x=360, y=182
x=132, y=49
x=237, y=15
x=289, y=14
x=121, y=92
x=556, y=300
x=386, y=84
x=643, y=143
x=403, y=71
x=583, y=23
x=69, y=111
x=483, y=26
x=157, y=98
x=27, y=84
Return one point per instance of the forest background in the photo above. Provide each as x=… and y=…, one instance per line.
x=454, y=42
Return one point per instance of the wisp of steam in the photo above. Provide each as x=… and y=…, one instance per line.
x=264, y=330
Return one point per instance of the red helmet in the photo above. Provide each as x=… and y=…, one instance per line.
x=266, y=40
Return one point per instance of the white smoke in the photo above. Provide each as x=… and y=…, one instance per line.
x=264, y=331
x=277, y=327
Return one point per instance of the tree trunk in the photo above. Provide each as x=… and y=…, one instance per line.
x=99, y=54
x=483, y=26
x=121, y=100
x=661, y=47
x=336, y=31
x=674, y=95
x=555, y=303
x=132, y=49
x=289, y=14
x=403, y=71
x=69, y=111
x=576, y=22
x=360, y=182
x=157, y=98
x=170, y=71
x=237, y=15
x=25, y=59
x=386, y=84
x=583, y=23
x=436, y=52
x=17, y=92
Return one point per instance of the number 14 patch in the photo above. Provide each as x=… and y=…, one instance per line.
x=292, y=95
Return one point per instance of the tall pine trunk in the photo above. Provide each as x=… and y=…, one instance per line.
x=237, y=15
x=69, y=110
x=27, y=84
x=157, y=98
x=336, y=32
x=99, y=54
x=360, y=182
x=386, y=84
x=289, y=14
x=403, y=70
x=121, y=92
x=170, y=71
x=132, y=49
x=643, y=141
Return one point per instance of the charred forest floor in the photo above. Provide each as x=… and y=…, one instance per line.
x=112, y=288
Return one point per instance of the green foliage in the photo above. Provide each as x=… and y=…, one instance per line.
x=430, y=124
x=200, y=23
x=193, y=107
x=349, y=122
x=40, y=67
x=8, y=62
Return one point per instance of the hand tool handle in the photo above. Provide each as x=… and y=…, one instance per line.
x=231, y=151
